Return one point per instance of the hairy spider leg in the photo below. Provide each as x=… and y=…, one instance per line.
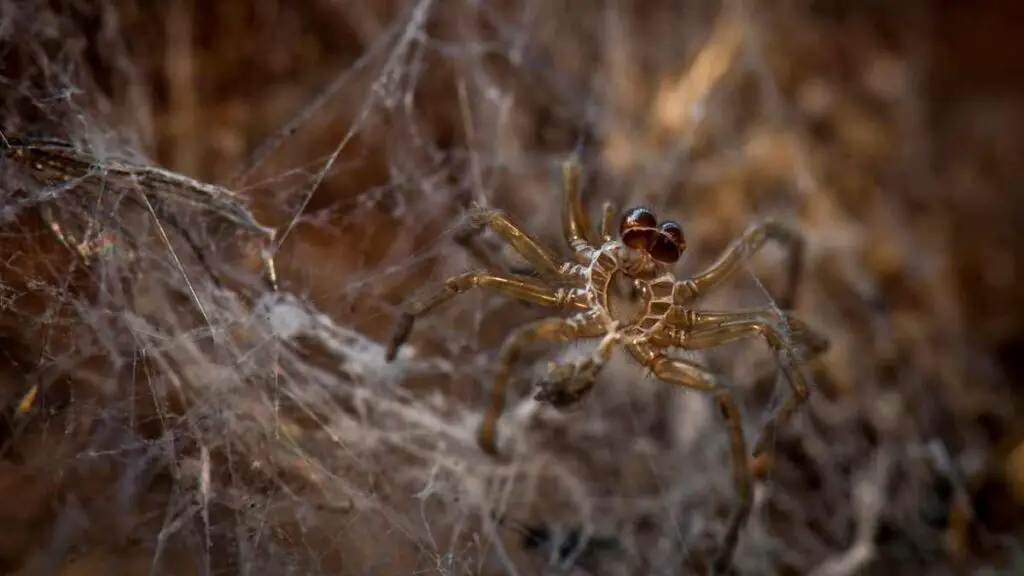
x=487, y=255
x=575, y=226
x=607, y=222
x=711, y=329
x=588, y=324
x=574, y=217
x=543, y=260
x=680, y=372
x=468, y=238
x=745, y=247
x=527, y=289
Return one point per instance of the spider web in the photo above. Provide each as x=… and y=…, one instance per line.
x=186, y=418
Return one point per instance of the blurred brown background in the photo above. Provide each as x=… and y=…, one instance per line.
x=891, y=133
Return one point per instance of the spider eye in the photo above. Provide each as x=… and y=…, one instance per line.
x=638, y=217
x=638, y=228
x=674, y=231
x=669, y=243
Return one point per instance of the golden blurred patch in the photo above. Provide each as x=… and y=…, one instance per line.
x=1014, y=471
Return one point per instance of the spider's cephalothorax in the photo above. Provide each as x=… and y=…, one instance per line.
x=641, y=254
x=641, y=251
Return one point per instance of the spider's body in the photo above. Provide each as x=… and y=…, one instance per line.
x=659, y=317
x=660, y=296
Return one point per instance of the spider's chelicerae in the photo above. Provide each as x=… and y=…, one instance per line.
x=660, y=318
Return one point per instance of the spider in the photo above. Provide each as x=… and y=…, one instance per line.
x=659, y=318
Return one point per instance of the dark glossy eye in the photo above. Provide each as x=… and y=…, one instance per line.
x=638, y=228
x=668, y=244
x=675, y=231
x=638, y=217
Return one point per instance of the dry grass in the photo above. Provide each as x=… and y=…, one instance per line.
x=189, y=421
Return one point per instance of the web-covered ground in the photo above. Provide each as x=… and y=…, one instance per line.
x=166, y=412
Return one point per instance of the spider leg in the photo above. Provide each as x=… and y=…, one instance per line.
x=574, y=217
x=607, y=222
x=527, y=289
x=746, y=246
x=487, y=255
x=688, y=375
x=567, y=383
x=583, y=325
x=542, y=259
x=712, y=329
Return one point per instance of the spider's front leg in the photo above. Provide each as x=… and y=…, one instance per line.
x=489, y=256
x=688, y=375
x=526, y=289
x=583, y=325
x=607, y=222
x=745, y=247
x=712, y=329
x=543, y=260
x=567, y=383
x=574, y=217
